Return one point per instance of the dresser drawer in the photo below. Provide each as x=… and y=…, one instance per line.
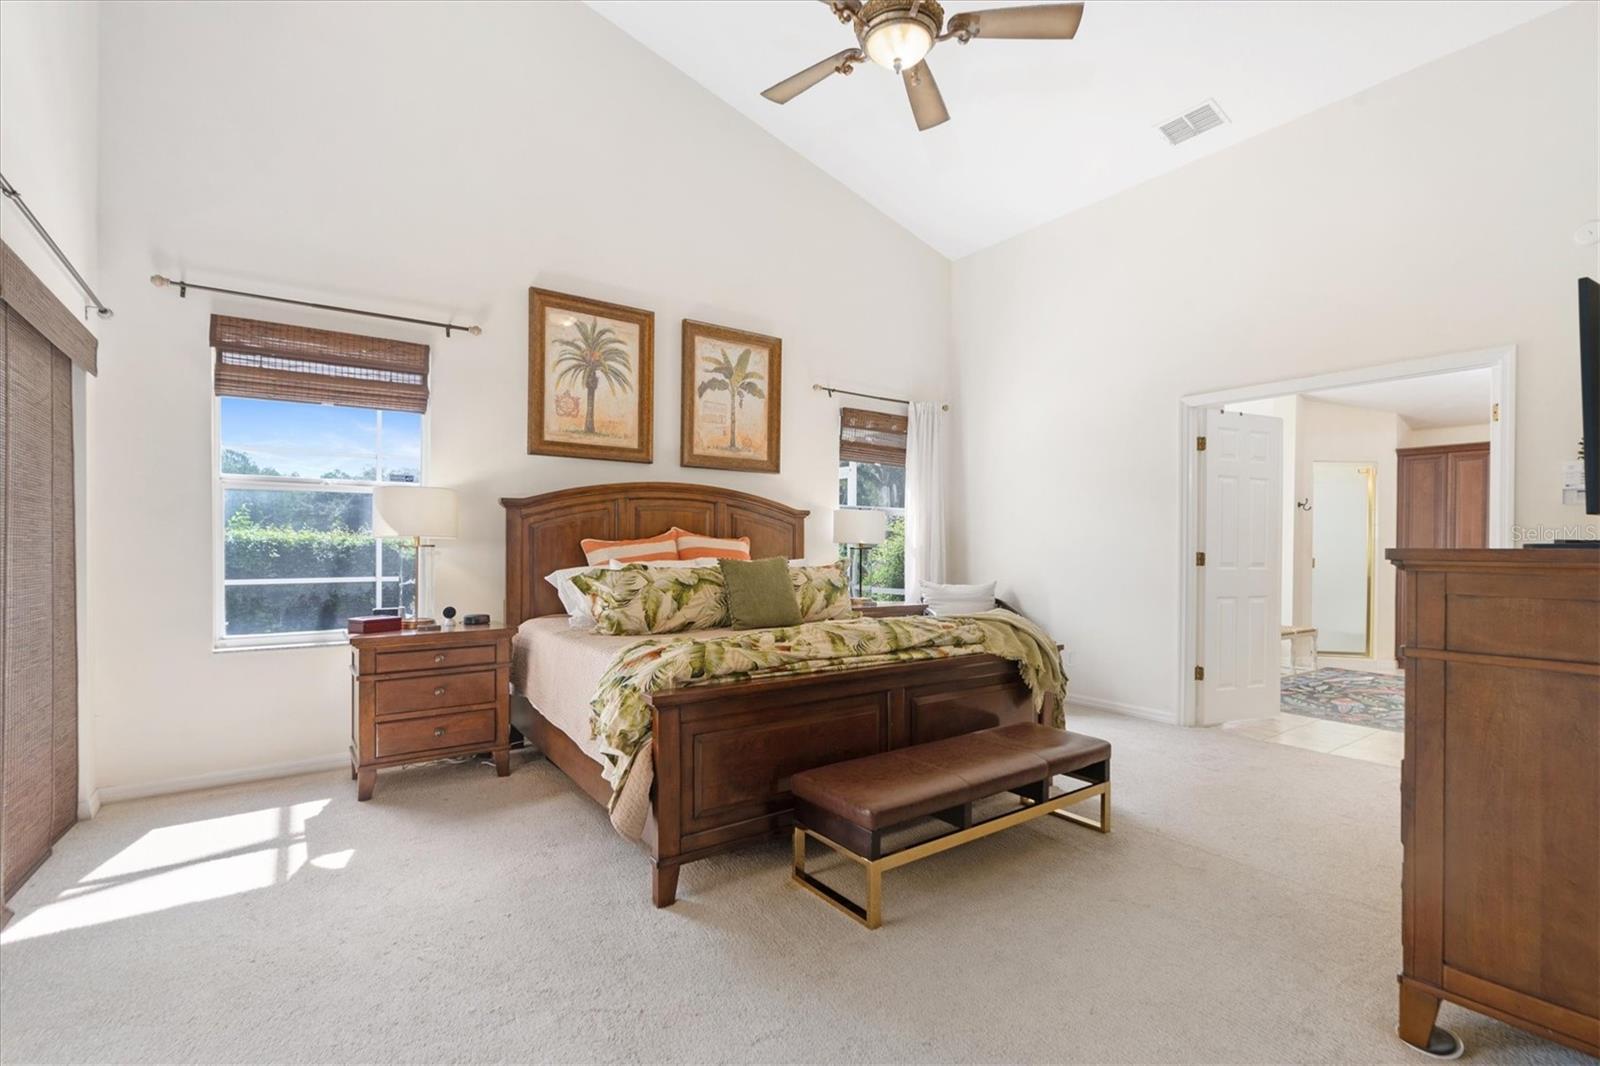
x=412, y=736
x=397, y=662
x=438, y=690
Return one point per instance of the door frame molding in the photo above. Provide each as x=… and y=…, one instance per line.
x=1500, y=361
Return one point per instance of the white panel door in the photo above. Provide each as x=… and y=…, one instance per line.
x=1242, y=475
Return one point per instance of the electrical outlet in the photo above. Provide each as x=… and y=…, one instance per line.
x=1066, y=657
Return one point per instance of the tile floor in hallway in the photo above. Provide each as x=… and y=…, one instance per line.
x=1332, y=738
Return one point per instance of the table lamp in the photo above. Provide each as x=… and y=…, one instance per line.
x=858, y=528
x=414, y=511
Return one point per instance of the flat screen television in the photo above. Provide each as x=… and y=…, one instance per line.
x=1589, y=369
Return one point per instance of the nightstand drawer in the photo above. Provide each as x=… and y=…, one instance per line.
x=397, y=662
x=415, y=735
x=438, y=690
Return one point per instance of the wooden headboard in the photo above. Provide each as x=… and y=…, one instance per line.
x=543, y=532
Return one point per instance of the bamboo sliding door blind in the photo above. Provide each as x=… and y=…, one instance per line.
x=39, y=342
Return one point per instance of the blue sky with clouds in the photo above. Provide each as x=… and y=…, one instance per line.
x=309, y=440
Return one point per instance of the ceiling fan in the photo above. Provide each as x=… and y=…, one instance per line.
x=898, y=35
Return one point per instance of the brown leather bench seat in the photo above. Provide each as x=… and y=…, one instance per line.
x=894, y=787
x=850, y=805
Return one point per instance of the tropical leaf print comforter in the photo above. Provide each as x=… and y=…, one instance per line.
x=621, y=707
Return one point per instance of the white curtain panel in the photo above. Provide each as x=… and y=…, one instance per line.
x=924, y=498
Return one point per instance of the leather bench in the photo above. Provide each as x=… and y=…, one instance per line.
x=850, y=806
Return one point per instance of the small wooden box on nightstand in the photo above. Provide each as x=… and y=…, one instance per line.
x=417, y=696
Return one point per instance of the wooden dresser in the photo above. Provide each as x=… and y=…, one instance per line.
x=420, y=696
x=1500, y=791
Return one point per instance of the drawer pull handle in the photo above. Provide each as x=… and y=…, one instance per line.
x=439, y=732
x=439, y=691
x=439, y=658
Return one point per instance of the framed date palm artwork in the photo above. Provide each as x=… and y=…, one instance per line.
x=590, y=386
x=732, y=398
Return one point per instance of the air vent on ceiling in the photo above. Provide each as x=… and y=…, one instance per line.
x=1208, y=116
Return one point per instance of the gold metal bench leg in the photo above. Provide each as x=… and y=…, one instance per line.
x=1103, y=825
x=871, y=915
x=874, y=896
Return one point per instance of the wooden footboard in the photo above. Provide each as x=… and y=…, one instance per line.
x=724, y=753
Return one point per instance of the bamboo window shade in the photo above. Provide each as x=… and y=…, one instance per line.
x=872, y=437
x=272, y=361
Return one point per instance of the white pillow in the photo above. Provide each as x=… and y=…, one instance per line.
x=957, y=599
x=580, y=612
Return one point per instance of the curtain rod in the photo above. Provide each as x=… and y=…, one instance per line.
x=160, y=281
x=830, y=390
x=11, y=193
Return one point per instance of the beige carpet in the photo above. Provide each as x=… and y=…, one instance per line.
x=1245, y=910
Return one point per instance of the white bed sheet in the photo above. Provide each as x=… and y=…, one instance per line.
x=558, y=668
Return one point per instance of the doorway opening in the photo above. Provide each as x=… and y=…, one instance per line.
x=1289, y=606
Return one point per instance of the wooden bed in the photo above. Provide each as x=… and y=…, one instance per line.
x=724, y=754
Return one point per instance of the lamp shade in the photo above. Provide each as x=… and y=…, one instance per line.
x=413, y=511
x=858, y=525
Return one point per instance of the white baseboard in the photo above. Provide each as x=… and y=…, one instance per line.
x=1153, y=714
x=89, y=806
x=218, y=778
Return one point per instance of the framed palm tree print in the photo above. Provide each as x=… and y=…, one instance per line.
x=732, y=397
x=589, y=378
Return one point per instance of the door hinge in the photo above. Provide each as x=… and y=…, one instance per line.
x=1199, y=558
x=1199, y=673
x=1494, y=413
x=1199, y=444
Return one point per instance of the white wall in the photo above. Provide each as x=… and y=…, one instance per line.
x=1431, y=436
x=49, y=148
x=435, y=161
x=1430, y=214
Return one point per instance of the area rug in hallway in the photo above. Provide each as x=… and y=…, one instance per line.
x=1353, y=696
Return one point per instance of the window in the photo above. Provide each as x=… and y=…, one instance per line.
x=872, y=473
x=295, y=553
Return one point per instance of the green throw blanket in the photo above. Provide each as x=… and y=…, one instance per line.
x=621, y=707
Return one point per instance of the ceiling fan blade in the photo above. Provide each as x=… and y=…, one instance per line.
x=795, y=84
x=1038, y=22
x=927, y=105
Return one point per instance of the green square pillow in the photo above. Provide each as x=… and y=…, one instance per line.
x=759, y=593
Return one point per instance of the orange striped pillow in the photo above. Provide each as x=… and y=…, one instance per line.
x=696, y=546
x=648, y=549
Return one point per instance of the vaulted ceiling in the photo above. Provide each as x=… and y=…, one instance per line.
x=1041, y=128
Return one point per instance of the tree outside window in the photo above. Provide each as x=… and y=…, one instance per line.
x=879, y=486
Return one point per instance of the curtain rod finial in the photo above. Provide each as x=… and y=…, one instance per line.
x=160, y=282
x=476, y=331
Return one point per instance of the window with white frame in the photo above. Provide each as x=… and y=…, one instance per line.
x=295, y=554
x=872, y=474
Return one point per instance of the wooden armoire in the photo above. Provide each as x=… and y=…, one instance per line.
x=1442, y=501
x=40, y=341
x=1500, y=791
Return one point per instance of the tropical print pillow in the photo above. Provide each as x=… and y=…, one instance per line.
x=636, y=600
x=823, y=592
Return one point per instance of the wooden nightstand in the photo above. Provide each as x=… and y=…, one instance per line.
x=415, y=697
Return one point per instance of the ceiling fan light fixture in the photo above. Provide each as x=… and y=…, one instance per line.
x=898, y=44
x=897, y=34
